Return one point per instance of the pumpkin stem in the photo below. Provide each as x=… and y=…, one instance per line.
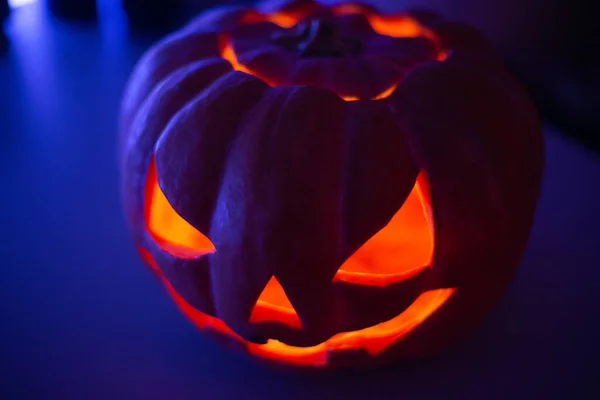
x=318, y=38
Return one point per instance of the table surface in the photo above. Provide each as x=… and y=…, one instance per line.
x=82, y=318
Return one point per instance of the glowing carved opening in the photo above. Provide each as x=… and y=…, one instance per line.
x=228, y=54
x=374, y=339
x=383, y=95
x=281, y=19
x=399, y=26
x=389, y=25
x=394, y=26
x=349, y=8
x=169, y=230
x=400, y=250
x=284, y=20
x=273, y=305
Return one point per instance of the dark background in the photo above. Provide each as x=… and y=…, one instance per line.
x=82, y=318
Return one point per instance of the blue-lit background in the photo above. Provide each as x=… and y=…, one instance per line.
x=19, y=3
x=82, y=318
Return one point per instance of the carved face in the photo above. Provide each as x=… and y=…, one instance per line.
x=325, y=186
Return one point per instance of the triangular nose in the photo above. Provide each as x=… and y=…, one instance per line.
x=273, y=306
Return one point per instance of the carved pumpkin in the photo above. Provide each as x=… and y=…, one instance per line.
x=329, y=186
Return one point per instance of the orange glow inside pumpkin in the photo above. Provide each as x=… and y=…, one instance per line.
x=173, y=234
x=389, y=25
x=228, y=54
x=399, y=250
x=284, y=20
x=273, y=305
x=349, y=8
x=394, y=26
x=169, y=230
x=374, y=339
x=400, y=26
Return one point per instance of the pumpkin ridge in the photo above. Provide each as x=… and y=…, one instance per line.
x=174, y=78
x=265, y=169
x=204, y=157
x=380, y=169
x=159, y=61
x=137, y=142
x=498, y=134
x=231, y=85
x=392, y=46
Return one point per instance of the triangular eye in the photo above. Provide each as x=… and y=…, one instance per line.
x=273, y=305
x=169, y=230
x=401, y=249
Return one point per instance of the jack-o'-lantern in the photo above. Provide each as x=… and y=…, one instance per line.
x=328, y=186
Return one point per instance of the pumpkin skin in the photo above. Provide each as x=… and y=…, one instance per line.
x=286, y=138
